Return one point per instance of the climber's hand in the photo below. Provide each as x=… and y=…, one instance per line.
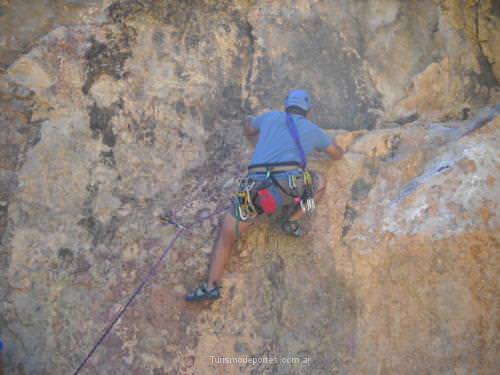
x=334, y=151
x=248, y=129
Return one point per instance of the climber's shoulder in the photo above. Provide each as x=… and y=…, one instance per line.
x=265, y=118
x=271, y=114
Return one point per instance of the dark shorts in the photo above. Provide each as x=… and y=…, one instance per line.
x=285, y=205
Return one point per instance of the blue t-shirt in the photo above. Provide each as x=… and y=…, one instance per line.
x=275, y=143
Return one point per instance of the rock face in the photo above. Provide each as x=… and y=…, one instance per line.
x=114, y=111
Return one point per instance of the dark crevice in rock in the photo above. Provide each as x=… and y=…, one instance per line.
x=180, y=107
x=121, y=10
x=65, y=254
x=100, y=122
x=92, y=226
x=21, y=134
x=102, y=233
x=108, y=58
x=248, y=30
x=275, y=272
x=4, y=213
x=88, y=204
x=143, y=129
x=407, y=119
x=108, y=158
x=350, y=214
x=360, y=189
x=495, y=8
x=18, y=134
x=371, y=165
x=442, y=168
x=486, y=77
x=465, y=113
x=175, y=13
x=70, y=263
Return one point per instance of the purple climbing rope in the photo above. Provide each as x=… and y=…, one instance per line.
x=294, y=132
x=147, y=278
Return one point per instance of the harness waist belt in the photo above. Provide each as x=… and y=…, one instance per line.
x=274, y=167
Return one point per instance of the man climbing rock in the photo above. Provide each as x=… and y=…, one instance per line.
x=277, y=183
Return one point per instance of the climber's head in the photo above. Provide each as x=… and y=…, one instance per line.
x=298, y=101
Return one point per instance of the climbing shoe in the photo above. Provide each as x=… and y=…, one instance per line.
x=293, y=228
x=202, y=293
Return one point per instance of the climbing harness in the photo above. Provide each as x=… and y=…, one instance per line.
x=147, y=278
x=255, y=195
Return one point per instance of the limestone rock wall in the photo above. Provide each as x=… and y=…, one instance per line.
x=112, y=111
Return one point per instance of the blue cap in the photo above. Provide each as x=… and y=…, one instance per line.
x=1, y=346
x=298, y=98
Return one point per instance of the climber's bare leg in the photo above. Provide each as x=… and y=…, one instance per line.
x=223, y=246
x=317, y=196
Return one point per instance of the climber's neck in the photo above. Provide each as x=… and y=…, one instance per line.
x=296, y=111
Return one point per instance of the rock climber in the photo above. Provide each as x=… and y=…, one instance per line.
x=277, y=182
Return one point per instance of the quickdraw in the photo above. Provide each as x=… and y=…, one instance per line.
x=307, y=202
x=306, y=199
x=243, y=200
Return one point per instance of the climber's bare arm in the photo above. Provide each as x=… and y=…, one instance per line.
x=248, y=129
x=334, y=151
